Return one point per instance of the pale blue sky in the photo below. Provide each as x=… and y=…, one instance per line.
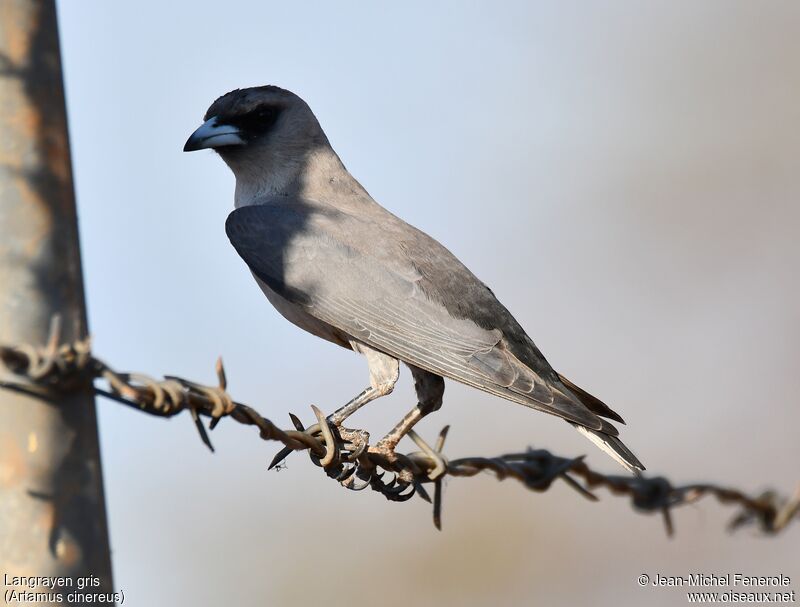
x=623, y=175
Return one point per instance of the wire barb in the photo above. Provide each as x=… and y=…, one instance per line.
x=345, y=456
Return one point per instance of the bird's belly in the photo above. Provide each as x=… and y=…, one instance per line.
x=299, y=317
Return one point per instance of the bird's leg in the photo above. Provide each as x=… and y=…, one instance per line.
x=357, y=438
x=342, y=413
x=388, y=443
x=383, y=374
x=430, y=390
x=354, y=441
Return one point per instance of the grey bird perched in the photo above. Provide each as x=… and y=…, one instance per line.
x=337, y=264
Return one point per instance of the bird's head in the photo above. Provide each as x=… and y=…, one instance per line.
x=259, y=131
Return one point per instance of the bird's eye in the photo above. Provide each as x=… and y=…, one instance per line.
x=265, y=115
x=257, y=121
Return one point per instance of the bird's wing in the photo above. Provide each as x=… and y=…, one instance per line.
x=366, y=278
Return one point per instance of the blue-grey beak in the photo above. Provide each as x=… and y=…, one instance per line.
x=213, y=135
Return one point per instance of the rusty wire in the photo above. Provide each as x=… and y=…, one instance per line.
x=55, y=368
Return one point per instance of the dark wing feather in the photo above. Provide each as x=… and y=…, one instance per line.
x=367, y=278
x=594, y=404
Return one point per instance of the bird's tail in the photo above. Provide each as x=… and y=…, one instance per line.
x=613, y=447
x=607, y=442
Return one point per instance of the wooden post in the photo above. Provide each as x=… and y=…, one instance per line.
x=52, y=510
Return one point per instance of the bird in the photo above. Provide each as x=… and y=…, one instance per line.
x=337, y=264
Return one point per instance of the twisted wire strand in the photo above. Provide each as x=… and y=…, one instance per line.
x=55, y=368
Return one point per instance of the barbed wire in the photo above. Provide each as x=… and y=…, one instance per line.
x=55, y=368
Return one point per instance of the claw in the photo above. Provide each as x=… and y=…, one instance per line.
x=354, y=451
x=367, y=474
x=353, y=441
x=397, y=490
x=348, y=459
x=359, y=487
x=397, y=495
x=350, y=483
x=358, y=451
x=346, y=473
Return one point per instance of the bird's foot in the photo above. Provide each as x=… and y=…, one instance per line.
x=355, y=472
x=352, y=442
x=385, y=449
x=348, y=458
x=384, y=453
x=429, y=459
x=345, y=445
